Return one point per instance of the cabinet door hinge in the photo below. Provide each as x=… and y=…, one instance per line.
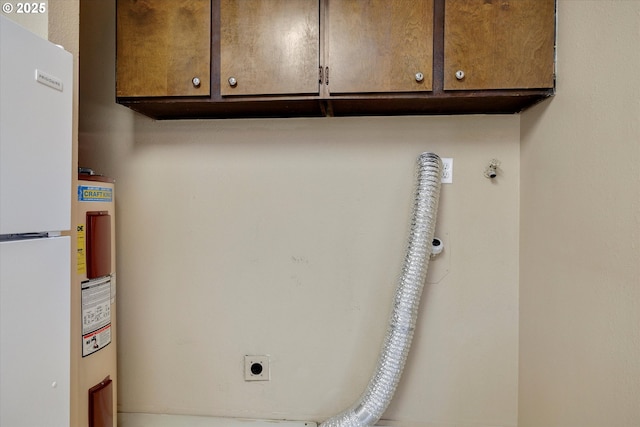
x=323, y=75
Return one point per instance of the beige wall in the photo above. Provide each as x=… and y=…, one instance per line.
x=580, y=230
x=286, y=237
x=37, y=21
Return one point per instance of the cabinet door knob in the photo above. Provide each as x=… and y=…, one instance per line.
x=195, y=81
x=419, y=77
x=459, y=74
x=233, y=82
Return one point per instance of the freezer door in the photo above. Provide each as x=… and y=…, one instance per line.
x=35, y=332
x=36, y=82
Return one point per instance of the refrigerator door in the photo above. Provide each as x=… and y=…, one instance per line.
x=35, y=332
x=36, y=82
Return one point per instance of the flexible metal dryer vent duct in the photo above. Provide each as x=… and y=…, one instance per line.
x=373, y=402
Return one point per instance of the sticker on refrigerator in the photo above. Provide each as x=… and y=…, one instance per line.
x=90, y=193
x=96, y=315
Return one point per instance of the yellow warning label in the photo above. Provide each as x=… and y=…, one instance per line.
x=82, y=258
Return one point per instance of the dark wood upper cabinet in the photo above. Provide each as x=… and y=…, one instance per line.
x=294, y=58
x=269, y=47
x=499, y=44
x=379, y=46
x=163, y=48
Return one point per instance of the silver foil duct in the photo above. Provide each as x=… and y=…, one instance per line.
x=376, y=398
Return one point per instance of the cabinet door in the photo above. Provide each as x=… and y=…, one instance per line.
x=269, y=47
x=499, y=44
x=380, y=45
x=162, y=46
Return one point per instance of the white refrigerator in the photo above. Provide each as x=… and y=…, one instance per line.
x=35, y=207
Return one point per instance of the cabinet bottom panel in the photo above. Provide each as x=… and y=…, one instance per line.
x=459, y=102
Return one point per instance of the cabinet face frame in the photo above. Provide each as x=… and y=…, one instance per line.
x=506, y=44
x=162, y=47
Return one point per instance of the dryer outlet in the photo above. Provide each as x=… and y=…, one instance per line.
x=256, y=368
